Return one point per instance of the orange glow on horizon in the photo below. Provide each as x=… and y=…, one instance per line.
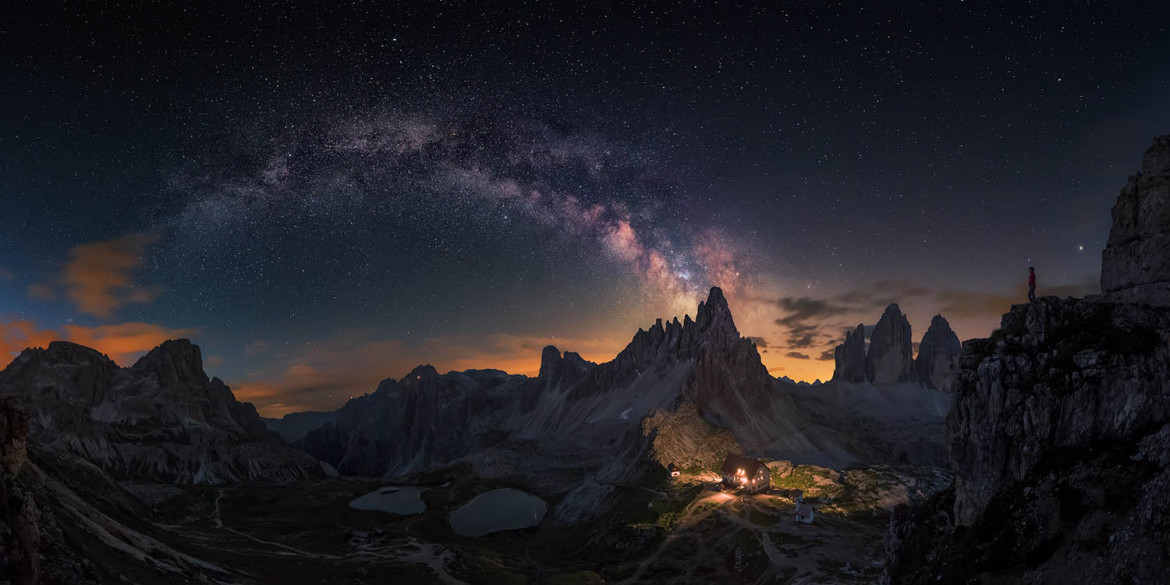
x=123, y=342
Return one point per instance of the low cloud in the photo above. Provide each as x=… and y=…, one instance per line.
x=759, y=341
x=797, y=355
x=41, y=292
x=800, y=309
x=98, y=278
x=802, y=335
x=802, y=319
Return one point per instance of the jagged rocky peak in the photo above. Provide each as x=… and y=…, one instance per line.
x=573, y=359
x=849, y=357
x=420, y=376
x=937, y=365
x=1135, y=265
x=82, y=404
x=77, y=372
x=550, y=363
x=891, y=351
x=72, y=353
x=712, y=327
x=714, y=316
x=62, y=353
x=568, y=368
x=177, y=363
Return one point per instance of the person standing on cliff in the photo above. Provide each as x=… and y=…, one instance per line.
x=1031, y=284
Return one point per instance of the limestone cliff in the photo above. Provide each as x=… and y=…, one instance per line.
x=890, y=358
x=937, y=364
x=849, y=357
x=1135, y=265
x=1059, y=442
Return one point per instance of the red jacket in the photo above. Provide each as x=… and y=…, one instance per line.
x=1031, y=279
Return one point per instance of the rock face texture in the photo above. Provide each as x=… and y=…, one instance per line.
x=890, y=358
x=1059, y=442
x=684, y=438
x=937, y=364
x=1059, y=445
x=63, y=520
x=1135, y=265
x=19, y=517
x=849, y=357
x=1057, y=375
x=161, y=419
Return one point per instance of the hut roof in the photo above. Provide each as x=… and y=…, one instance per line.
x=736, y=462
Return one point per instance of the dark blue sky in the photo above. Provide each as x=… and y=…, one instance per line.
x=324, y=198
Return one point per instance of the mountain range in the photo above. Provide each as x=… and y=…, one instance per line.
x=701, y=369
x=1055, y=430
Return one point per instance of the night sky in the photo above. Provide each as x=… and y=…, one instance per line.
x=322, y=198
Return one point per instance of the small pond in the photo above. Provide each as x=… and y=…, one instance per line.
x=499, y=509
x=395, y=499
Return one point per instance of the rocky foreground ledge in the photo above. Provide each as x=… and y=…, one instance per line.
x=1059, y=442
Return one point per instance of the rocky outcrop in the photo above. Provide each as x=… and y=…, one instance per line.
x=849, y=357
x=937, y=364
x=684, y=438
x=1057, y=376
x=161, y=419
x=562, y=370
x=890, y=358
x=1059, y=442
x=1135, y=265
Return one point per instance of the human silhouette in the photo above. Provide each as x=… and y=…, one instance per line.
x=1031, y=284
